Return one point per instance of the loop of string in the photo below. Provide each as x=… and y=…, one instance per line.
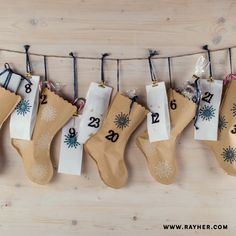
x=205, y=47
x=133, y=100
x=45, y=68
x=170, y=76
x=46, y=83
x=152, y=73
x=102, y=67
x=231, y=75
x=9, y=75
x=77, y=100
x=118, y=74
x=9, y=70
x=197, y=100
x=230, y=61
x=28, y=64
x=75, y=75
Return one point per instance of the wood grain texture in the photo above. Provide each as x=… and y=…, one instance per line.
x=69, y=205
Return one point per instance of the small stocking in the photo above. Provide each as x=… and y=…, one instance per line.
x=160, y=155
x=8, y=103
x=107, y=146
x=53, y=113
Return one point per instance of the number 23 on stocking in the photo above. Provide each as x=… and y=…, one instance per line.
x=97, y=101
x=158, y=119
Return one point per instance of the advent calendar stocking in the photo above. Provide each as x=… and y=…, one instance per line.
x=225, y=148
x=160, y=155
x=107, y=146
x=9, y=101
x=53, y=113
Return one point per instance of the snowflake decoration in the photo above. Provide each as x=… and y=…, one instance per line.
x=44, y=141
x=49, y=113
x=207, y=112
x=71, y=140
x=229, y=154
x=23, y=107
x=222, y=123
x=233, y=109
x=163, y=169
x=122, y=120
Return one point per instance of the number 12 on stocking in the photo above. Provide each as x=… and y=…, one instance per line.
x=208, y=113
x=158, y=119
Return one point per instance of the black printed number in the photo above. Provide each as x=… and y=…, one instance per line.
x=28, y=88
x=207, y=97
x=112, y=136
x=233, y=131
x=72, y=132
x=95, y=122
x=44, y=99
x=173, y=104
x=155, y=118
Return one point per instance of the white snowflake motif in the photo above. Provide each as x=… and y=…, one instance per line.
x=39, y=171
x=44, y=141
x=163, y=169
x=49, y=113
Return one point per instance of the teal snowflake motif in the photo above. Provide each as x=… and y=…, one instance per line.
x=207, y=112
x=122, y=120
x=71, y=140
x=233, y=109
x=229, y=154
x=222, y=123
x=23, y=107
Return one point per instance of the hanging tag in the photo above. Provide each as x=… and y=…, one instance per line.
x=158, y=120
x=208, y=113
x=71, y=152
x=24, y=117
x=97, y=101
x=11, y=84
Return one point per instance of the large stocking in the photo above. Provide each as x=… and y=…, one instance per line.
x=225, y=148
x=53, y=113
x=161, y=155
x=107, y=146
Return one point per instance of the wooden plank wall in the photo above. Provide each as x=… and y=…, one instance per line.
x=70, y=205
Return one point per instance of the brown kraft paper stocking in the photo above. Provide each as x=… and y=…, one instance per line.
x=225, y=148
x=107, y=146
x=53, y=113
x=161, y=155
x=9, y=101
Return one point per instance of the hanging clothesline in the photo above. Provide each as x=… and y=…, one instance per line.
x=115, y=59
